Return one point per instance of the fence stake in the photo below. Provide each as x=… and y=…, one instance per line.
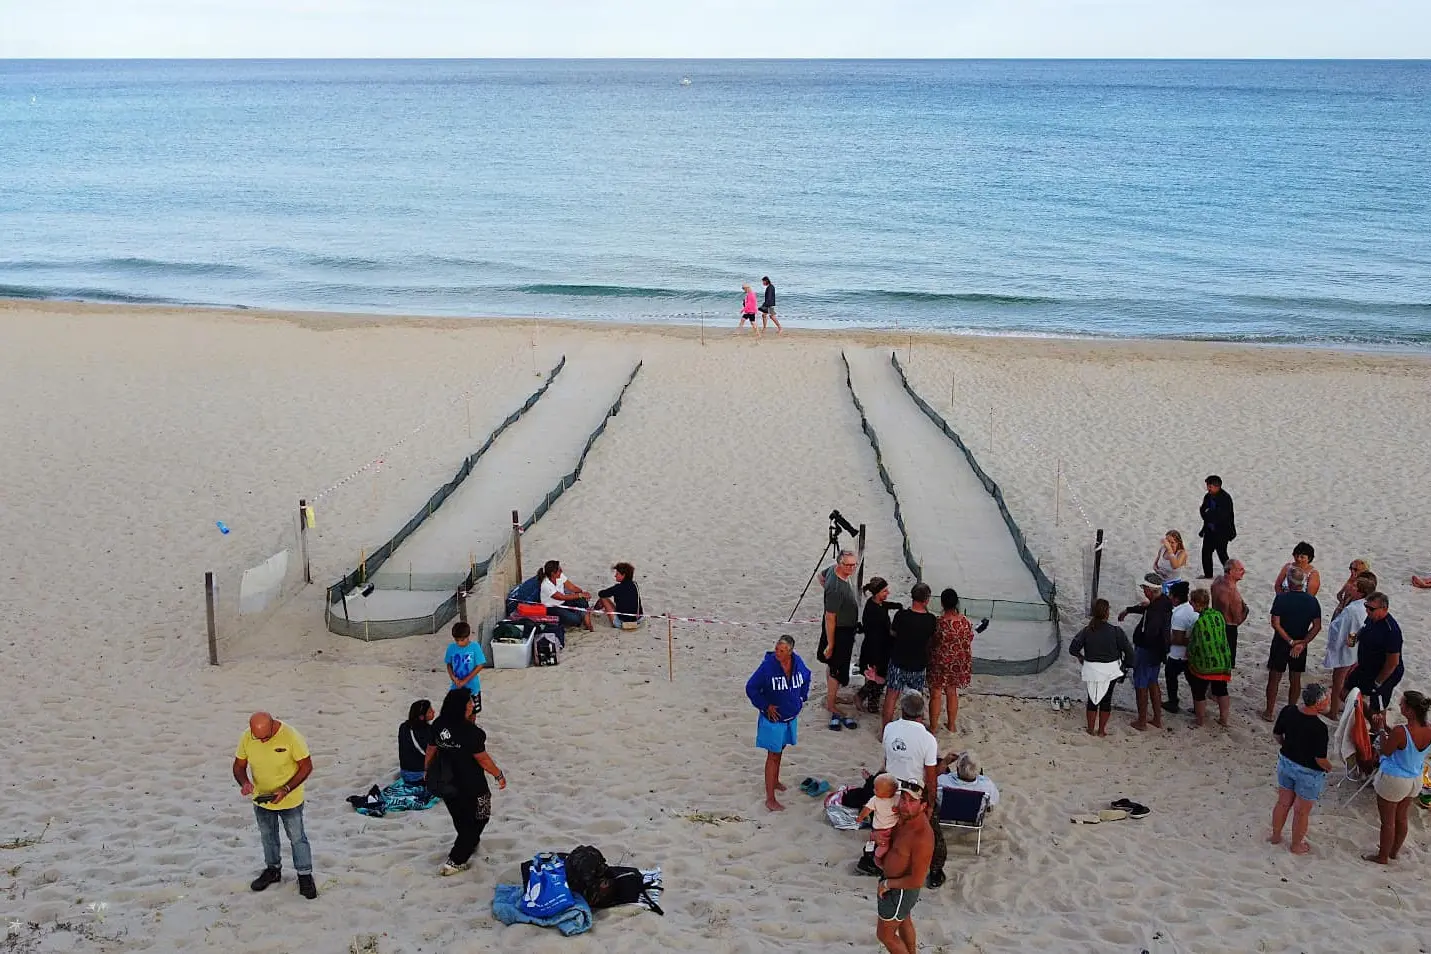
x=951, y=392
x=535, y=370
x=462, y=605
x=469, y=418
x=303, y=540
x=991, y=431
x=1097, y=568
x=703, y=329
x=517, y=543
x=362, y=566
x=209, y=613
x=1057, y=491
x=910, y=358
x=860, y=577
x=670, y=651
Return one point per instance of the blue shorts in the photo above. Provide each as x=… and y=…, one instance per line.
x=1307, y=784
x=774, y=736
x=898, y=680
x=1145, y=669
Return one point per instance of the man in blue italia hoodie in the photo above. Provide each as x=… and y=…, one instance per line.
x=778, y=690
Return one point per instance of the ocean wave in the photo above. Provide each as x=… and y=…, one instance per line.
x=1341, y=305
x=134, y=266
x=607, y=291
x=39, y=293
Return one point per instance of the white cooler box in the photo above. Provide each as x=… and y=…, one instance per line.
x=513, y=655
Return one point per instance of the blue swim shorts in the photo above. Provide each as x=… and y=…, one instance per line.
x=1146, y=667
x=774, y=736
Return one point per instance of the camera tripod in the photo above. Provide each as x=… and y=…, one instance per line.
x=837, y=524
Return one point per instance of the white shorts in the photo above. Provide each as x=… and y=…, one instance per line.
x=1394, y=788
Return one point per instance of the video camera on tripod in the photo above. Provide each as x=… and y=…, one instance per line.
x=838, y=525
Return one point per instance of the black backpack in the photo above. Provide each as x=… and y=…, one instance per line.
x=585, y=869
x=442, y=774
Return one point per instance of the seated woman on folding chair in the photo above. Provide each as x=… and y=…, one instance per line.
x=566, y=601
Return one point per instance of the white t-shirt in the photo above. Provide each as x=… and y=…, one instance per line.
x=551, y=587
x=1184, y=617
x=885, y=815
x=908, y=749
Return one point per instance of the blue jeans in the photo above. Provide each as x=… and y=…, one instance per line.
x=292, y=819
x=413, y=777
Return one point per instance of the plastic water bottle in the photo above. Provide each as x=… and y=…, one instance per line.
x=223, y=527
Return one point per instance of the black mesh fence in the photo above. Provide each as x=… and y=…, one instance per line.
x=996, y=610
x=375, y=560
x=457, y=582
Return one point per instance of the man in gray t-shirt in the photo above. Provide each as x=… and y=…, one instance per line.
x=837, y=633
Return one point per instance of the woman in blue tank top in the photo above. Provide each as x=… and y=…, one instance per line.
x=1403, y=760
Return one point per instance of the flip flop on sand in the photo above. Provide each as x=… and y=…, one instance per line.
x=1112, y=815
x=1057, y=702
x=850, y=723
x=820, y=788
x=808, y=785
x=1085, y=819
x=834, y=725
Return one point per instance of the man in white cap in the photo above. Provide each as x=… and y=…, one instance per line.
x=1150, y=645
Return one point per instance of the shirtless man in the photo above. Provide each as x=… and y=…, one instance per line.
x=1228, y=601
x=906, y=866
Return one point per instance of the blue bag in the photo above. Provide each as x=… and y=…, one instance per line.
x=528, y=591
x=547, y=893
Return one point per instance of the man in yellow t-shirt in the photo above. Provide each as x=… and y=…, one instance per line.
x=277, y=758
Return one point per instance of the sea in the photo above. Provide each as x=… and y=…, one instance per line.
x=1265, y=201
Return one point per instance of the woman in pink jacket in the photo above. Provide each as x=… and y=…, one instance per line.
x=747, y=310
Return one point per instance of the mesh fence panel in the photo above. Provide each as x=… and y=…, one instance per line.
x=484, y=601
x=1006, y=610
x=256, y=579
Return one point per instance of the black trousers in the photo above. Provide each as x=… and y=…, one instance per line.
x=469, y=816
x=1209, y=544
x=1232, y=644
x=1173, y=669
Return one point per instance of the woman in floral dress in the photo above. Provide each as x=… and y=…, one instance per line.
x=951, y=658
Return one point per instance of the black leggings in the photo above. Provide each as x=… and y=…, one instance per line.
x=469, y=816
x=1106, y=703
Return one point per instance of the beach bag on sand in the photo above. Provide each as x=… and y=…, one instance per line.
x=546, y=651
x=547, y=892
x=527, y=591
x=585, y=866
x=625, y=886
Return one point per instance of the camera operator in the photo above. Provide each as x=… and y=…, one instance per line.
x=837, y=643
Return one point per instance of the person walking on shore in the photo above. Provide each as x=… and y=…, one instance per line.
x=906, y=869
x=778, y=689
x=270, y=765
x=1228, y=601
x=1296, y=621
x=747, y=310
x=457, y=766
x=837, y=643
x=1219, y=527
x=1302, y=766
x=767, y=308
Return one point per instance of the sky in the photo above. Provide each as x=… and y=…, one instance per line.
x=681, y=29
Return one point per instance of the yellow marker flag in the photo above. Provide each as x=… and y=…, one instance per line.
x=308, y=518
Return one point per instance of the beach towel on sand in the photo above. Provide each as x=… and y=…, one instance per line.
x=840, y=815
x=400, y=796
x=574, y=920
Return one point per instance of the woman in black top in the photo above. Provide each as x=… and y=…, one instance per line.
x=874, y=650
x=1302, y=765
x=462, y=778
x=911, y=633
x=414, y=736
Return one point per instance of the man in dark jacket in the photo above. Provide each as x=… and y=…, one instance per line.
x=1150, y=646
x=778, y=690
x=1219, y=528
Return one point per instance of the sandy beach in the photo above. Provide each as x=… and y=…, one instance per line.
x=128, y=432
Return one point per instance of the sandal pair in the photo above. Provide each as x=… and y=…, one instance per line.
x=837, y=723
x=814, y=787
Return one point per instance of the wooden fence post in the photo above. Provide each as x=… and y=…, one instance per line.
x=209, y=599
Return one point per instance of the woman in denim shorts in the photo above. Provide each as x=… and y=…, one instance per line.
x=1302, y=765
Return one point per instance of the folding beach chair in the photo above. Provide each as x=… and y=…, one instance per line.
x=1353, y=746
x=962, y=809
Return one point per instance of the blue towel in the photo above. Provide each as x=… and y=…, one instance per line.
x=574, y=920
x=400, y=796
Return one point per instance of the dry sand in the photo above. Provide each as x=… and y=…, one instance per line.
x=128, y=432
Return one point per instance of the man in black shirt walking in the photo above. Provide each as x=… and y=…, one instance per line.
x=1219, y=528
x=767, y=309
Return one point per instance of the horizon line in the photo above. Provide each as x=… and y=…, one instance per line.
x=725, y=59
